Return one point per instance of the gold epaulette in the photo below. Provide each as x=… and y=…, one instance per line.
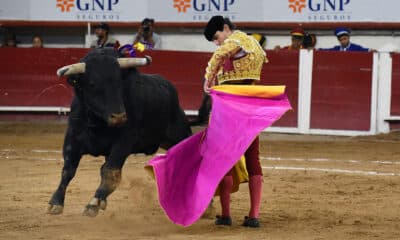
x=250, y=65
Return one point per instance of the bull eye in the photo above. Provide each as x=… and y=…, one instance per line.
x=91, y=84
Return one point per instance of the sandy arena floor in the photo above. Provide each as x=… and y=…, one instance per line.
x=315, y=187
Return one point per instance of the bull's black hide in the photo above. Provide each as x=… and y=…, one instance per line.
x=116, y=112
x=203, y=112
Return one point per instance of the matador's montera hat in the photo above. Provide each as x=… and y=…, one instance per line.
x=215, y=24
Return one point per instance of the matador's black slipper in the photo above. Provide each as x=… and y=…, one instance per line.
x=251, y=222
x=223, y=220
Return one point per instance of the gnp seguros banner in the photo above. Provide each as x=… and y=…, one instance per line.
x=202, y=10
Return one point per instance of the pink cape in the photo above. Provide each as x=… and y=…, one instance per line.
x=189, y=173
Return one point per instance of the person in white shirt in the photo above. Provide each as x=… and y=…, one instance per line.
x=147, y=36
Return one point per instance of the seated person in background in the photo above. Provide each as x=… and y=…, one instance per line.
x=310, y=40
x=343, y=36
x=297, y=35
x=103, y=39
x=10, y=40
x=146, y=35
x=260, y=38
x=37, y=42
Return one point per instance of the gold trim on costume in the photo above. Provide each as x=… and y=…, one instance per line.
x=246, y=67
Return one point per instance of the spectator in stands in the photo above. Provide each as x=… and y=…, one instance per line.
x=10, y=40
x=297, y=37
x=343, y=36
x=260, y=38
x=102, y=31
x=37, y=41
x=146, y=36
x=310, y=40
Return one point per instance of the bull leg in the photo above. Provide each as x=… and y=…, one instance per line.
x=110, y=178
x=72, y=156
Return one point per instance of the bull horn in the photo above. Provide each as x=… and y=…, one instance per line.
x=134, y=62
x=71, y=69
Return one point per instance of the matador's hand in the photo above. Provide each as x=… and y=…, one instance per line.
x=208, y=84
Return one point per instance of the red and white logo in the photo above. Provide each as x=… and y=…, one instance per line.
x=297, y=5
x=182, y=5
x=65, y=5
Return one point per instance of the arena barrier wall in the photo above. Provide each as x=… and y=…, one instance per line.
x=394, y=118
x=395, y=103
x=341, y=91
x=331, y=92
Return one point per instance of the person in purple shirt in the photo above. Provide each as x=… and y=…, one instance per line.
x=343, y=36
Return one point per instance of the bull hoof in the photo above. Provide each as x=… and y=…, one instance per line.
x=94, y=206
x=55, y=209
x=91, y=211
x=103, y=204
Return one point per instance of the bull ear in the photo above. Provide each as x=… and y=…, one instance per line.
x=71, y=69
x=134, y=62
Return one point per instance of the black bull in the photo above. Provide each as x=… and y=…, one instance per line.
x=116, y=112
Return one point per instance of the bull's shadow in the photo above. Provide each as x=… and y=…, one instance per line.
x=116, y=111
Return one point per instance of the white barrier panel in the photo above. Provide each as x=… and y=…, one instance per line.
x=384, y=91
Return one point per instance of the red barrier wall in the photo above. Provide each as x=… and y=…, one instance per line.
x=185, y=70
x=28, y=76
x=341, y=91
x=395, y=103
x=283, y=69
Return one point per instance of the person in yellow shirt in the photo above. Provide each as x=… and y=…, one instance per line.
x=260, y=38
x=238, y=59
x=297, y=38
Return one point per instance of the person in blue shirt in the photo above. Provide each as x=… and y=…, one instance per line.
x=343, y=36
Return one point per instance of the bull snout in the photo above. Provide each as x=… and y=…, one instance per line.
x=117, y=119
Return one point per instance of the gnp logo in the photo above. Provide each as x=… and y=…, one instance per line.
x=65, y=5
x=182, y=5
x=297, y=5
x=321, y=10
x=203, y=6
x=318, y=5
x=86, y=5
x=90, y=9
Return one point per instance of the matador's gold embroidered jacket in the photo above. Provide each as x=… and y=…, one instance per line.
x=247, y=58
